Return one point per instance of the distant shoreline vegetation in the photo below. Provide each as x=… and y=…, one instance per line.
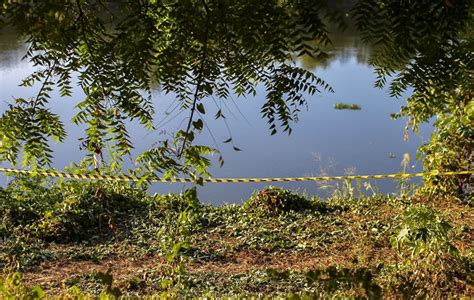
x=342, y=106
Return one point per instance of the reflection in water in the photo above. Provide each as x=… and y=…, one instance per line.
x=359, y=139
x=346, y=45
x=12, y=48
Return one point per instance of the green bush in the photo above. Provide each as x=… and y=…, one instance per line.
x=430, y=262
x=450, y=149
x=422, y=232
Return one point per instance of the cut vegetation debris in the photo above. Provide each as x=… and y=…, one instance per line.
x=77, y=239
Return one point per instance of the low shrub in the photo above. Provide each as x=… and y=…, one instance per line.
x=422, y=232
x=65, y=211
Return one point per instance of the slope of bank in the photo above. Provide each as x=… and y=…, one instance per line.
x=75, y=238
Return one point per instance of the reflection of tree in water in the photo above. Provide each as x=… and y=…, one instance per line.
x=343, y=50
x=346, y=44
x=12, y=48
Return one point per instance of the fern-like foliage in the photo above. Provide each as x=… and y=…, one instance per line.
x=426, y=48
x=117, y=52
x=419, y=45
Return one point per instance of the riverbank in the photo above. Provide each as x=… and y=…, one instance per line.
x=77, y=237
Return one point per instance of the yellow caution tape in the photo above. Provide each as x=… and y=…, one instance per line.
x=50, y=173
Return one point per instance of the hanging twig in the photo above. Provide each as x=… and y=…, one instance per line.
x=200, y=79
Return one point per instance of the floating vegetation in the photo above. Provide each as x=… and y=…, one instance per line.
x=342, y=106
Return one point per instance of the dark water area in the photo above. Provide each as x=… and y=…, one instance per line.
x=325, y=141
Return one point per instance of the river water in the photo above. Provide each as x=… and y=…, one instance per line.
x=325, y=141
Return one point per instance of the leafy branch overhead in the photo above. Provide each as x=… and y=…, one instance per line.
x=426, y=46
x=117, y=52
x=426, y=49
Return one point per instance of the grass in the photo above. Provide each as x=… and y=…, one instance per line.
x=88, y=239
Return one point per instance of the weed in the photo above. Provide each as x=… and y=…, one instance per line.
x=422, y=232
x=431, y=260
x=176, y=240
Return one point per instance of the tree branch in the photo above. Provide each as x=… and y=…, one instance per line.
x=82, y=18
x=200, y=79
x=36, y=101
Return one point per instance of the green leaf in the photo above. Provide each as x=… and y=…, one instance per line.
x=198, y=124
x=200, y=108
